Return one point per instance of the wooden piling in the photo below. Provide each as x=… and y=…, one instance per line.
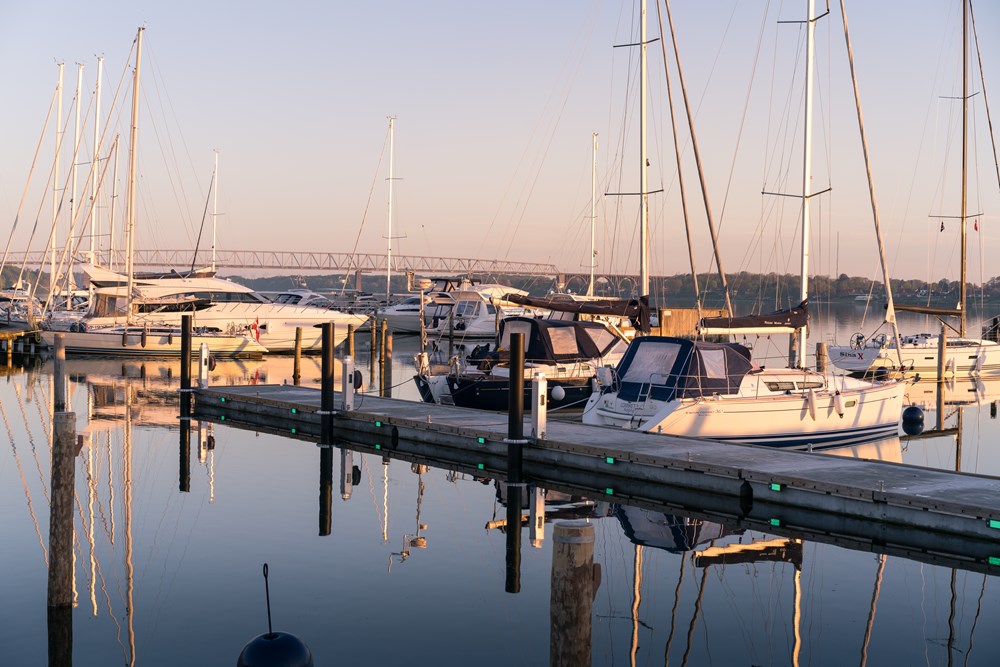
x=573, y=587
x=59, y=375
x=326, y=386
x=185, y=365
x=297, y=363
x=822, y=357
x=387, y=378
x=515, y=407
x=350, y=340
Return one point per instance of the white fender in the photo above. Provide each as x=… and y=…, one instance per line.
x=838, y=403
x=811, y=402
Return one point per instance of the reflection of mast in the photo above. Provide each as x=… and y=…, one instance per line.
x=636, y=599
x=871, y=612
x=91, y=493
x=127, y=479
x=797, y=616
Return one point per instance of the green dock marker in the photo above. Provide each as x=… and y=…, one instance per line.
x=994, y=560
x=609, y=491
x=610, y=460
x=293, y=431
x=481, y=466
x=775, y=522
x=378, y=446
x=481, y=441
x=222, y=418
x=222, y=398
x=294, y=411
x=776, y=487
x=378, y=424
x=994, y=523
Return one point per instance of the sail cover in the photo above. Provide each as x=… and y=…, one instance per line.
x=637, y=310
x=780, y=321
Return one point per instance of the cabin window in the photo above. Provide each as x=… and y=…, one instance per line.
x=512, y=327
x=602, y=337
x=564, y=341
x=491, y=309
x=811, y=384
x=713, y=363
x=780, y=386
x=651, y=359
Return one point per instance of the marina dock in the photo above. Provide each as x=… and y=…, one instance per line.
x=925, y=514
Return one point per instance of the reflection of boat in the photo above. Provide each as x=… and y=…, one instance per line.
x=887, y=449
x=152, y=341
x=957, y=391
x=666, y=531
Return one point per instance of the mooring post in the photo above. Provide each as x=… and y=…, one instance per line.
x=350, y=340
x=374, y=348
x=515, y=442
x=387, y=378
x=821, y=357
x=539, y=406
x=203, y=362
x=60, y=591
x=347, y=382
x=381, y=358
x=297, y=363
x=451, y=332
x=326, y=386
x=515, y=407
x=942, y=364
x=536, y=515
x=185, y=365
x=59, y=375
x=325, y=489
x=575, y=579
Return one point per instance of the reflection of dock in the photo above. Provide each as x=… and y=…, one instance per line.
x=891, y=504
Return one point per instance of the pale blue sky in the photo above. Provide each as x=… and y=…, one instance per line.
x=495, y=105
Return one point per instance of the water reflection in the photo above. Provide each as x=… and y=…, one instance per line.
x=678, y=583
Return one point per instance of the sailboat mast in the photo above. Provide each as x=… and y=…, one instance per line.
x=97, y=155
x=807, y=172
x=73, y=169
x=388, y=238
x=215, y=205
x=130, y=205
x=55, y=181
x=644, y=212
x=593, y=217
x=965, y=160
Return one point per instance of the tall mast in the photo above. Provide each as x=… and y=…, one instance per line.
x=130, y=204
x=114, y=203
x=75, y=165
x=97, y=152
x=644, y=211
x=55, y=182
x=215, y=205
x=965, y=159
x=807, y=173
x=593, y=218
x=388, y=238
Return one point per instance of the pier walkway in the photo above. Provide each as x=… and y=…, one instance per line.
x=931, y=515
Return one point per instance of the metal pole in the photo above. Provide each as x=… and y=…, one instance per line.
x=326, y=387
x=185, y=365
x=539, y=406
x=515, y=408
x=297, y=363
x=347, y=383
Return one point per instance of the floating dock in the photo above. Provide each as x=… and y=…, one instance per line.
x=931, y=515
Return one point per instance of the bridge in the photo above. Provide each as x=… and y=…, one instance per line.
x=338, y=262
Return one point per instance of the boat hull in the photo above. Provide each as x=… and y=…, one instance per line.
x=135, y=344
x=484, y=393
x=964, y=356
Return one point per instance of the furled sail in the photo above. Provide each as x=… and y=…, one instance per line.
x=780, y=321
x=637, y=310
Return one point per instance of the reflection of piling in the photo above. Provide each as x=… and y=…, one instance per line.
x=185, y=365
x=573, y=587
x=60, y=636
x=515, y=443
x=297, y=363
x=326, y=393
x=184, y=449
x=325, y=489
x=60, y=593
x=512, y=583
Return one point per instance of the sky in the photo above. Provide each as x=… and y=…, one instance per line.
x=495, y=107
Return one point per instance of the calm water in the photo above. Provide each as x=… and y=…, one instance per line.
x=411, y=572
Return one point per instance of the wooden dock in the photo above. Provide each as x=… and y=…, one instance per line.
x=931, y=515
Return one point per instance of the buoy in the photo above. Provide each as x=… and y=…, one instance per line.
x=274, y=649
x=913, y=420
x=558, y=393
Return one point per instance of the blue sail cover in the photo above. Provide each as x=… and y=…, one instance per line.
x=664, y=368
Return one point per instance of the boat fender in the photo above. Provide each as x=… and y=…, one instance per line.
x=358, y=380
x=811, y=402
x=838, y=404
x=211, y=362
x=170, y=338
x=125, y=338
x=950, y=366
x=145, y=334
x=558, y=393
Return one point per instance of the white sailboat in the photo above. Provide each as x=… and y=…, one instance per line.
x=714, y=390
x=921, y=353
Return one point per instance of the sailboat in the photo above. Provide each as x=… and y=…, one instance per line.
x=690, y=388
x=921, y=352
x=147, y=338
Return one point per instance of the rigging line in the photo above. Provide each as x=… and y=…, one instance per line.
x=371, y=489
x=34, y=449
x=364, y=215
x=697, y=158
x=24, y=194
x=204, y=215
x=975, y=621
x=694, y=617
x=673, y=612
x=982, y=76
x=680, y=175
x=24, y=484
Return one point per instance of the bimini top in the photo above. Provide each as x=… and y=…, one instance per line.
x=665, y=368
x=559, y=340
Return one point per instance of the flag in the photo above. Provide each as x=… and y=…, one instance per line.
x=255, y=328
x=975, y=225
x=942, y=225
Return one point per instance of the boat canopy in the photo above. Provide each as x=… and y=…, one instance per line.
x=637, y=310
x=664, y=368
x=559, y=340
x=779, y=321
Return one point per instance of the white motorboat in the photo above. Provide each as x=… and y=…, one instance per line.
x=474, y=313
x=122, y=340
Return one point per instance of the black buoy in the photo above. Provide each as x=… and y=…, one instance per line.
x=913, y=420
x=274, y=649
